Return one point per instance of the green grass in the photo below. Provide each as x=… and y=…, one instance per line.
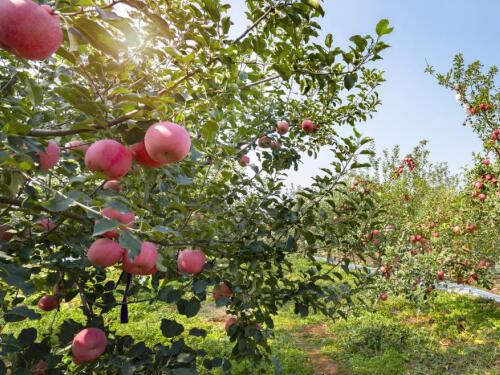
x=452, y=335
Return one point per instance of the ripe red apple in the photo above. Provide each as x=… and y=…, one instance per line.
x=191, y=261
x=88, y=345
x=382, y=296
x=167, y=142
x=144, y=263
x=307, y=126
x=39, y=368
x=48, y=303
x=4, y=234
x=375, y=233
x=46, y=224
x=478, y=185
x=29, y=30
x=244, y=160
x=440, y=275
x=142, y=157
x=50, y=156
x=229, y=323
x=221, y=290
x=264, y=141
x=482, y=197
x=109, y=157
x=77, y=145
x=486, y=162
x=471, y=228
x=112, y=185
x=105, y=252
x=282, y=127
x=488, y=177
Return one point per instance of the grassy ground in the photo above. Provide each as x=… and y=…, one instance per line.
x=456, y=335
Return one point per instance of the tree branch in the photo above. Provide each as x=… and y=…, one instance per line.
x=255, y=24
x=28, y=205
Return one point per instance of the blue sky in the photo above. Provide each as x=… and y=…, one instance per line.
x=414, y=106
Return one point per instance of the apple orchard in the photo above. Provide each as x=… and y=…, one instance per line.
x=143, y=158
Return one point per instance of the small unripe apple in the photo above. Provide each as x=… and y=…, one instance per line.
x=440, y=275
x=244, y=160
x=229, y=323
x=435, y=234
x=109, y=157
x=29, y=30
x=88, y=345
x=383, y=296
x=77, y=145
x=191, y=261
x=167, y=142
x=48, y=303
x=142, y=157
x=105, y=252
x=471, y=228
x=144, y=263
x=46, y=224
x=39, y=368
x=4, y=234
x=112, y=185
x=282, y=127
x=456, y=229
x=221, y=290
x=307, y=126
x=50, y=156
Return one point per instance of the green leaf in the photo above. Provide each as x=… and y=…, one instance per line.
x=99, y=37
x=198, y=332
x=188, y=308
x=130, y=242
x=350, y=80
x=209, y=130
x=104, y=225
x=184, y=371
x=27, y=337
x=383, y=27
x=170, y=328
x=20, y=313
x=329, y=40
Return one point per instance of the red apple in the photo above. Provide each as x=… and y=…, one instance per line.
x=144, y=263
x=126, y=218
x=39, y=368
x=88, y=345
x=488, y=177
x=244, y=160
x=221, y=290
x=375, y=233
x=482, y=197
x=307, y=126
x=48, y=303
x=282, y=127
x=229, y=323
x=167, y=142
x=440, y=275
x=471, y=228
x=4, y=234
x=275, y=144
x=478, y=185
x=382, y=296
x=112, y=185
x=142, y=157
x=105, y=252
x=46, y=224
x=50, y=156
x=264, y=141
x=486, y=162
x=109, y=157
x=29, y=30
x=191, y=261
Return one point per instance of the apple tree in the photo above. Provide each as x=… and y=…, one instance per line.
x=144, y=151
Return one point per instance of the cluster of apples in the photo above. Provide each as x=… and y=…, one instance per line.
x=483, y=107
x=29, y=30
x=479, y=185
x=282, y=127
x=409, y=162
x=494, y=135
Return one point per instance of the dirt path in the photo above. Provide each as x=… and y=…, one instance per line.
x=321, y=363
